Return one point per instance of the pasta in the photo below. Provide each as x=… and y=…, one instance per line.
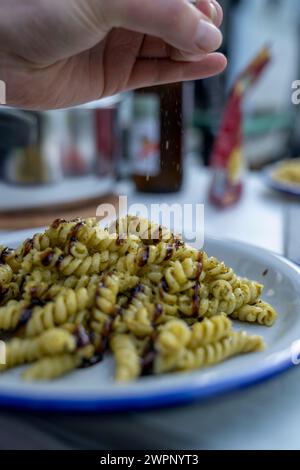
x=105, y=309
x=210, y=331
x=188, y=359
x=259, y=312
x=128, y=365
x=9, y=257
x=20, y=351
x=6, y=275
x=288, y=172
x=138, y=313
x=56, y=313
x=75, y=291
x=148, y=232
x=52, y=367
x=178, y=275
x=67, y=264
x=11, y=314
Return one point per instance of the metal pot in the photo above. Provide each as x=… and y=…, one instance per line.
x=43, y=147
x=91, y=140
x=16, y=127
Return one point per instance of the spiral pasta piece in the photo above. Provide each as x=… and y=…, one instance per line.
x=6, y=276
x=58, y=312
x=216, y=270
x=55, y=366
x=52, y=342
x=197, y=303
x=155, y=254
x=99, y=240
x=138, y=315
x=134, y=262
x=9, y=293
x=169, y=303
x=9, y=287
x=173, y=337
x=11, y=314
x=50, y=368
x=251, y=291
x=39, y=276
x=106, y=299
x=10, y=257
x=179, y=275
x=149, y=232
x=221, y=289
x=261, y=313
x=187, y=359
x=209, y=331
x=69, y=265
x=61, y=231
x=128, y=364
x=83, y=318
x=90, y=235
x=74, y=282
x=39, y=242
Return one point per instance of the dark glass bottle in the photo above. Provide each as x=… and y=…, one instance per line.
x=157, y=132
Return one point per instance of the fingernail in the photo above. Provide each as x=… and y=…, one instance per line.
x=213, y=12
x=209, y=38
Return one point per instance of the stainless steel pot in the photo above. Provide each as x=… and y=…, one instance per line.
x=16, y=127
x=44, y=147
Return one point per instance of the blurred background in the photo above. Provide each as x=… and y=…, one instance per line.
x=67, y=162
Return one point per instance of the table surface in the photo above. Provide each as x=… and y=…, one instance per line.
x=266, y=416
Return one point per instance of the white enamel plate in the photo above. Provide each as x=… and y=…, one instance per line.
x=289, y=189
x=94, y=388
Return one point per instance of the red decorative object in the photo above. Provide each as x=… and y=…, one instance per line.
x=227, y=157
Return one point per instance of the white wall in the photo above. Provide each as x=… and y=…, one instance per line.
x=257, y=23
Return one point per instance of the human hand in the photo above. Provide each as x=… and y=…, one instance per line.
x=60, y=53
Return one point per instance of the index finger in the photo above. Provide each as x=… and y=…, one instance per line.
x=177, y=22
x=211, y=8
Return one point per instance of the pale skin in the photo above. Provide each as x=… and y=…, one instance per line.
x=60, y=53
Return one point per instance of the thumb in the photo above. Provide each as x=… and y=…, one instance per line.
x=177, y=22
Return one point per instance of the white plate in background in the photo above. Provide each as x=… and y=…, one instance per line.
x=69, y=190
x=281, y=186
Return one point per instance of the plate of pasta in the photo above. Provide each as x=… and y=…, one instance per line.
x=284, y=176
x=131, y=317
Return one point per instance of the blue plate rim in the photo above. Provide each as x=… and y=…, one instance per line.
x=192, y=393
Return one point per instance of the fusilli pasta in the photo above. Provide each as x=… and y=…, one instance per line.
x=76, y=290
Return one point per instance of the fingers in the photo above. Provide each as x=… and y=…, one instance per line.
x=154, y=48
x=212, y=9
x=181, y=56
x=160, y=72
x=219, y=15
x=177, y=22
